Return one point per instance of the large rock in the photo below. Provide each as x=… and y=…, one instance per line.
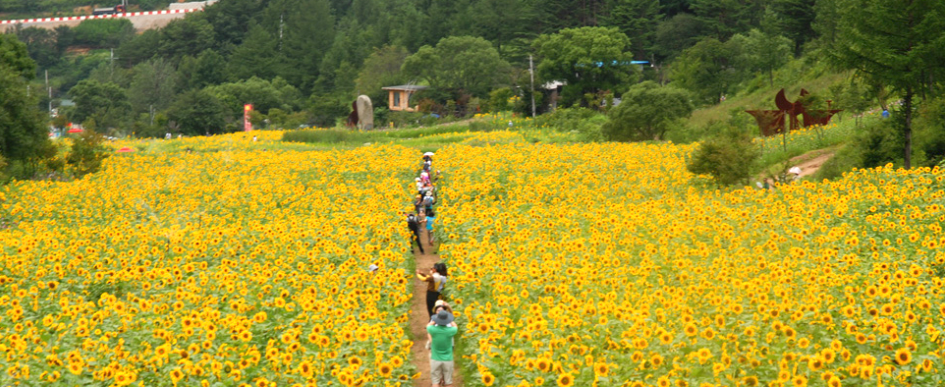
x=365, y=112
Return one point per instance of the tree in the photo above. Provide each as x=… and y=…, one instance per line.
x=256, y=57
x=458, y=63
x=263, y=94
x=503, y=21
x=381, y=68
x=676, y=34
x=23, y=134
x=187, y=36
x=645, y=112
x=198, y=112
x=638, y=20
x=87, y=153
x=795, y=19
x=892, y=42
x=707, y=69
x=153, y=85
x=41, y=45
x=766, y=52
x=209, y=68
x=15, y=57
x=309, y=33
x=725, y=18
x=589, y=59
x=106, y=103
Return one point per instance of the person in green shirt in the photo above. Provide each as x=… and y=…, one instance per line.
x=441, y=330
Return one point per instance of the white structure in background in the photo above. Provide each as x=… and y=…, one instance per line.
x=191, y=5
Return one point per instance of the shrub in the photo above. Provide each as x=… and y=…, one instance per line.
x=728, y=158
x=87, y=153
x=646, y=112
x=499, y=99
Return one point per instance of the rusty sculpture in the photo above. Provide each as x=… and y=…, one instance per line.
x=771, y=122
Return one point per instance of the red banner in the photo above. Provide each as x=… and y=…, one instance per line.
x=247, y=109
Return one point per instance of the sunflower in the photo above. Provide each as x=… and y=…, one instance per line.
x=488, y=379
x=385, y=370
x=565, y=380
x=903, y=356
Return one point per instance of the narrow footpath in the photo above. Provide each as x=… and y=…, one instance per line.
x=419, y=319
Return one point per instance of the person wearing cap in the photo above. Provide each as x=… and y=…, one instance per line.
x=414, y=225
x=440, y=305
x=419, y=185
x=441, y=331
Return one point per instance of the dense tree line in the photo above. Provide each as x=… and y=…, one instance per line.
x=302, y=62
x=328, y=51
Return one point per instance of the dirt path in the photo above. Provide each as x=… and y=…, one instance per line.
x=419, y=319
x=811, y=162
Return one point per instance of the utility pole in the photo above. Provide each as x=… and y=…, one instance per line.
x=151, y=109
x=531, y=71
x=281, y=19
x=111, y=61
x=49, y=90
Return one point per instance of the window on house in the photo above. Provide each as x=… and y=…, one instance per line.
x=396, y=98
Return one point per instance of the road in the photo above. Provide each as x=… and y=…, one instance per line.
x=141, y=20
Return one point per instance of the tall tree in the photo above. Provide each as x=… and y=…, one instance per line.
x=638, y=20
x=708, y=69
x=308, y=34
x=23, y=132
x=767, y=52
x=725, y=18
x=153, y=85
x=106, y=103
x=589, y=59
x=381, y=68
x=892, y=42
x=198, y=112
x=795, y=19
x=676, y=34
x=502, y=21
x=256, y=57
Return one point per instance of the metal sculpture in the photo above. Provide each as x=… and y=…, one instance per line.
x=771, y=122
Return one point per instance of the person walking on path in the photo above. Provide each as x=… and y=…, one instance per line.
x=414, y=227
x=441, y=330
x=440, y=305
x=418, y=205
x=432, y=293
x=430, y=217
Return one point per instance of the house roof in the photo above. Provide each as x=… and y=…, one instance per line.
x=405, y=88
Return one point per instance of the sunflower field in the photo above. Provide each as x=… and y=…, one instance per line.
x=234, y=266
x=610, y=265
x=228, y=261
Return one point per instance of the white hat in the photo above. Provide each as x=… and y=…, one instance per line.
x=373, y=267
x=417, y=179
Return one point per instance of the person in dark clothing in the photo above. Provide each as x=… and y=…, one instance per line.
x=432, y=293
x=414, y=227
x=418, y=204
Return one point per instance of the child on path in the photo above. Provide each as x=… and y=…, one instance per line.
x=431, y=217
